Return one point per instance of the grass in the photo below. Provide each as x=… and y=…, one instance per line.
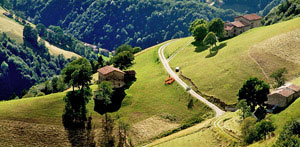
x=252, y=53
x=204, y=134
x=147, y=99
x=15, y=31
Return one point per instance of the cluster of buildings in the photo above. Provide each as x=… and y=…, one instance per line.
x=283, y=96
x=242, y=24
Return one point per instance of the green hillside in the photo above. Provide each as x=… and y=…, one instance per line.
x=257, y=52
x=15, y=31
x=150, y=106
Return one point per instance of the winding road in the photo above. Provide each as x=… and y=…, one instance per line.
x=165, y=63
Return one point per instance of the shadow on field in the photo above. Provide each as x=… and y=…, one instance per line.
x=214, y=51
x=200, y=47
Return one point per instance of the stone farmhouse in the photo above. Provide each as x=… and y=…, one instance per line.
x=242, y=24
x=284, y=95
x=113, y=75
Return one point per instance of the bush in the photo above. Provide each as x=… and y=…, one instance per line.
x=40, y=94
x=290, y=136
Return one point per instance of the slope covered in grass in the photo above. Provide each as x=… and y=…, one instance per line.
x=15, y=31
x=150, y=107
x=257, y=52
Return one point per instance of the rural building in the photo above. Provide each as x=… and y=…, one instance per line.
x=242, y=24
x=113, y=75
x=284, y=95
x=130, y=75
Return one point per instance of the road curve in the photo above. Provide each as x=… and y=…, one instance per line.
x=165, y=63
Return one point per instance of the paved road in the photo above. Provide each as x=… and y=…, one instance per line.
x=184, y=85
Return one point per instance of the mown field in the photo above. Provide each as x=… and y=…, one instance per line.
x=257, y=52
x=150, y=107
x=15, y=31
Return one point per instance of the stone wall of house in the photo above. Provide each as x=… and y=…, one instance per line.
x=277, y=99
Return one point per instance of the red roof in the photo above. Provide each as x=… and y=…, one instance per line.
x=108, y=69
x=294, y=87
x=252, y=17
x=228, y=28
x=286, y=92
x=238, y=24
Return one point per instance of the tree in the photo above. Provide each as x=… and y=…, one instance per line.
x=123, y=128
x=279, y=77
x=30, y=34
x=255, y=92
x=248, y=129
x=4, y=67
x=42, y=30
x=246, y=111
x=100, y=62
x=136, y=50
x=199, y=33
x=217, y=26
x=124, y=47
x=123, y=60
x=196, y=23
x=78, y=73
x=210, y=40
x=290, y=135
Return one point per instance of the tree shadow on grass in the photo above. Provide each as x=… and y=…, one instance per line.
x=200, y=47
x=214, y=51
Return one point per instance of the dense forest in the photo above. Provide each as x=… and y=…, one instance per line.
x=23, y=66
x=286, y=10
x=245, y=6
x=112, y=23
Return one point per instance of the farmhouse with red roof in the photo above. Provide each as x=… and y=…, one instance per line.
x=242, y=24
x=111, y=74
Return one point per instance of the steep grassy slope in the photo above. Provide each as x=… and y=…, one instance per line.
x=15, y=31
x=150, y=107
x=257, y=52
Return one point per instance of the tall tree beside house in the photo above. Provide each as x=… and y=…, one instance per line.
x=78, y=73
x=255, y=92
x=217, y=26
x=279, y=76
x=123, y=60
x=245, y=109
x=199, y=33
x=211, y=40
x=196, y=23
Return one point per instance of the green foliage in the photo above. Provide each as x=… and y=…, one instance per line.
x=254, y=91
x=216, y=26
x=42, y=30
x=26, y=65
x=105, y=91
x=252, y=131
x=78, y=73
x=199, y=33
x=4, y=67
x=246, y=111
x=122, y=48
x=286, y=10
x=279, y=76
x=210, y=39
x=30, y=34
x=196, y=23
x=136, y=50
x=123, y=60
x=290, y=136
x=140, y=23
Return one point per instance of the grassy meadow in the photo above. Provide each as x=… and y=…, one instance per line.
x=257, y=52
x=150, y=107
x=15, y=31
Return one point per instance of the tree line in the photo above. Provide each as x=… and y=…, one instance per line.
x=110, y=24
